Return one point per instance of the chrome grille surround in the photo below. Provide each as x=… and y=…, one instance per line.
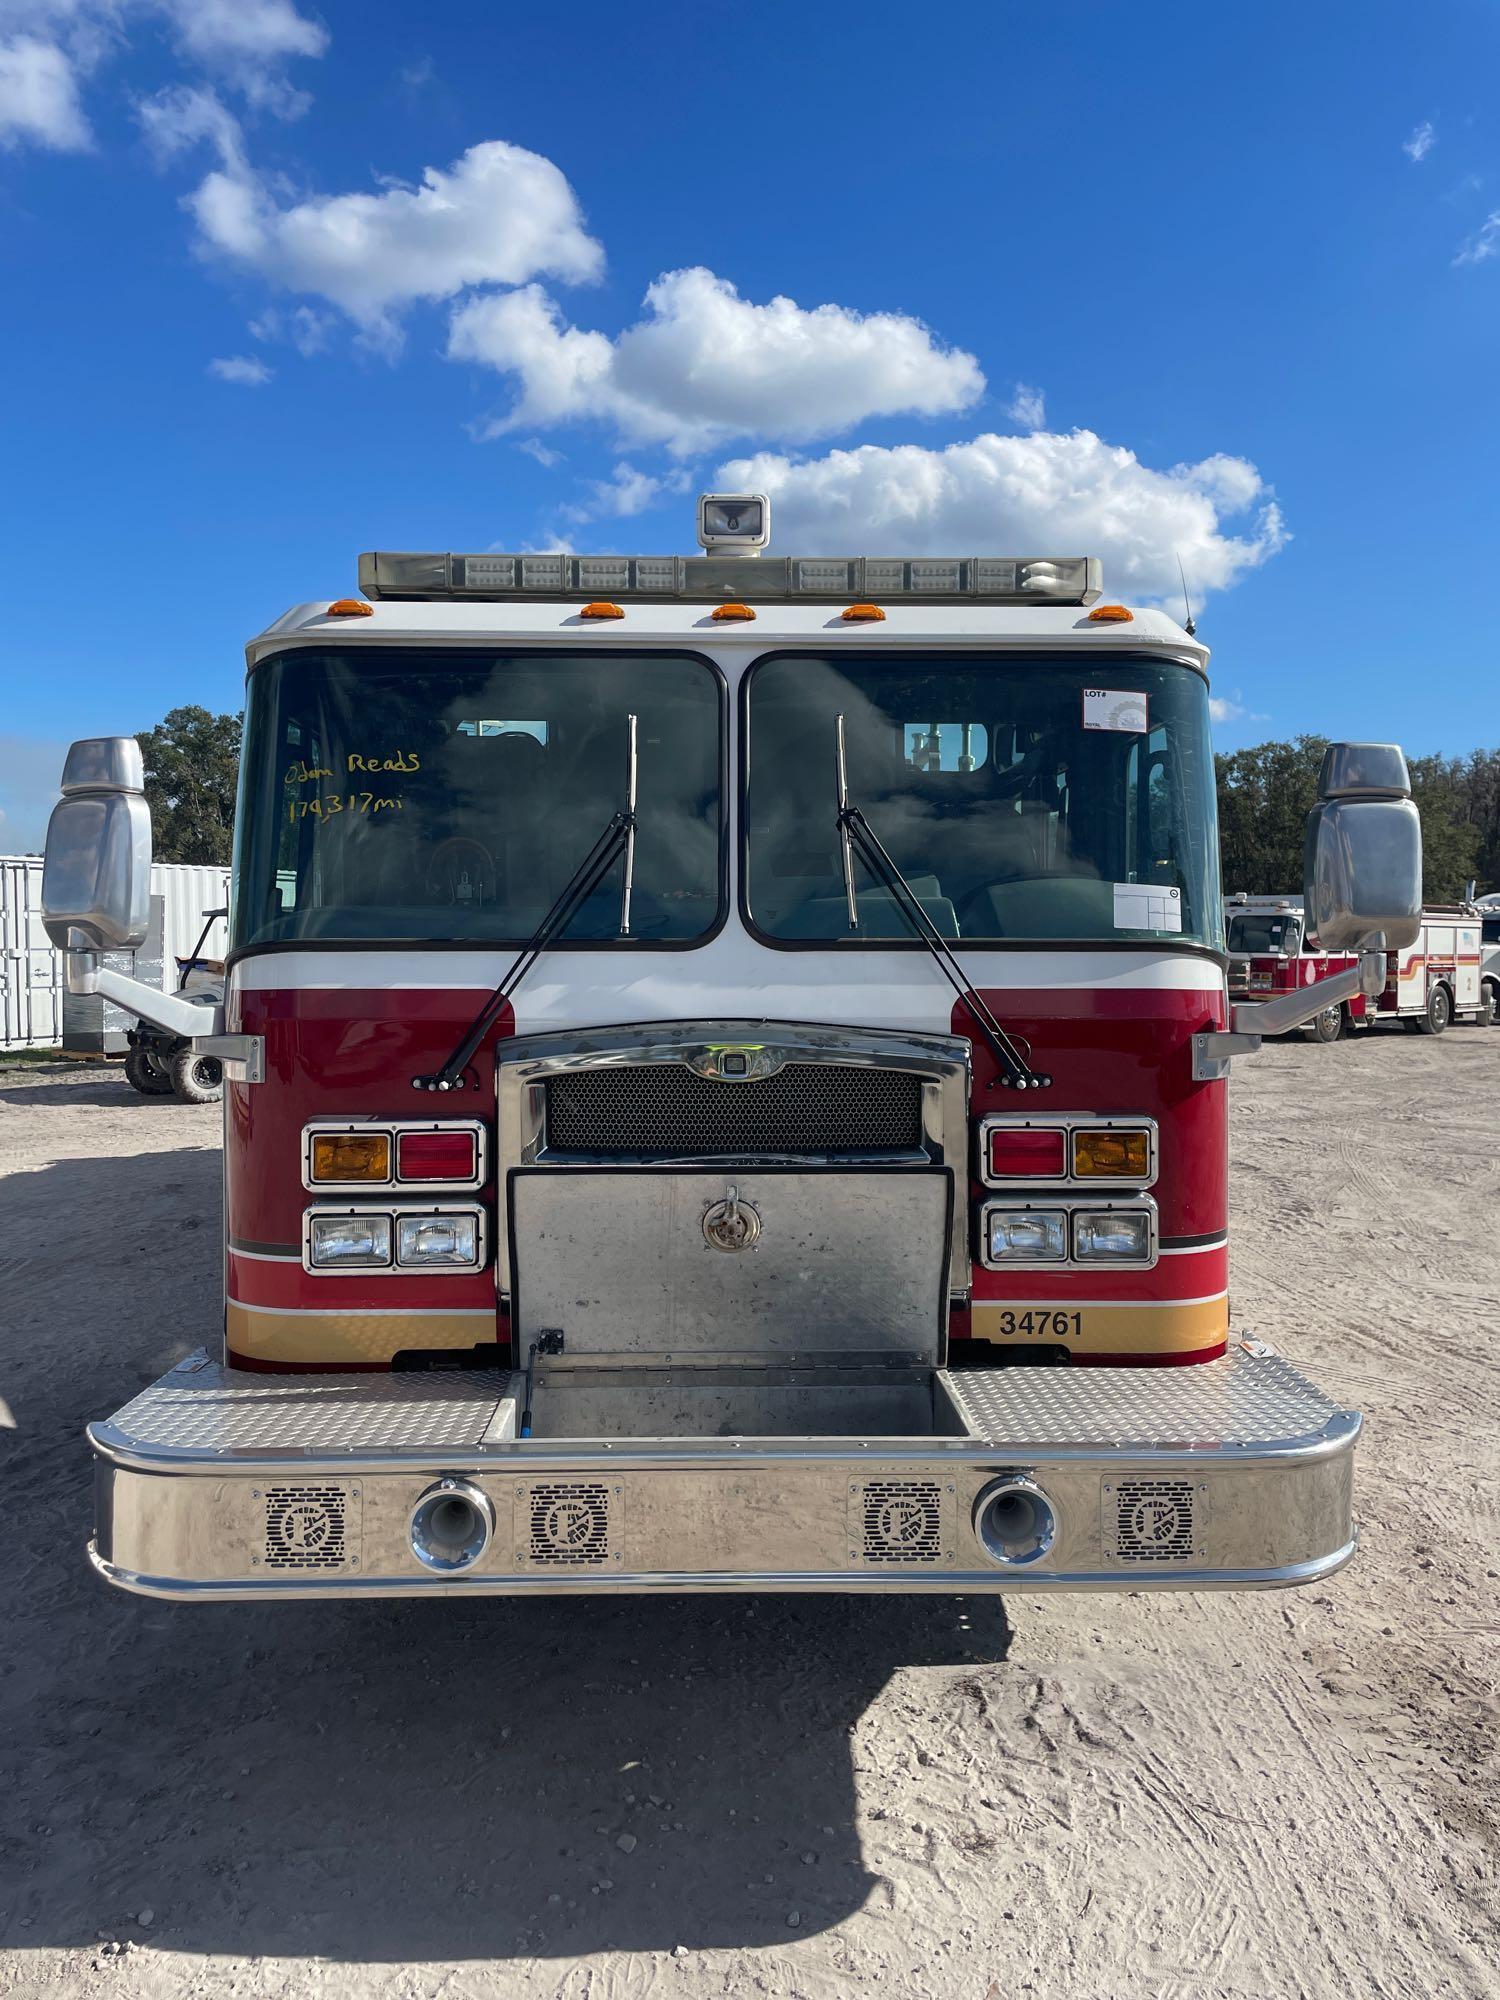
x=868, y=1096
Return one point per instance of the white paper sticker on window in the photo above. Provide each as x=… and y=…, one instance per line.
x=1147, y=906
x=1115, y=708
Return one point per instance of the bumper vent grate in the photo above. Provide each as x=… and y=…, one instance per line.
x=570, y=1524
x=1154, y=1520
x=305, y=1527
x=666, y=1109
x=901, y=1521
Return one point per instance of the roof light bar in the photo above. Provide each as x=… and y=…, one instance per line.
x=710, y=579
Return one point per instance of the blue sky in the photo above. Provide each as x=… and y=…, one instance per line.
x=282, y=283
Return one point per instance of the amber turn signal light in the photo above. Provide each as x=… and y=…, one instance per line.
x=601, y=610
x=1110, y=614
x=864, y=614
x=351, y=1156
x=724, y=612
x=350, y=607
x=1112, y=1156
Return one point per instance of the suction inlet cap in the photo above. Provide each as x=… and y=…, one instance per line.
x=1015, y=1522
x=451, y=1526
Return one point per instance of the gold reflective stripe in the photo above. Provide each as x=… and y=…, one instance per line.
x=264, y=1333
x=1153, y=1327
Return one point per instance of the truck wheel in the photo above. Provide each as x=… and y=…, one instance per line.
x=147, y=1073
x=1329, y=1025
x=1489, y=1006
x=197, y=1079
x=1439, y=1012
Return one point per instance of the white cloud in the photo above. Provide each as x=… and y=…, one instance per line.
x=1028, y=408
x=185, y=115
x=246, y=369
x=542, y=453
x=302, y=327
x=1484, y=243
x=706, y=366
x=1038, y=495
x=626, y=492
x=39, y=97
x=1421, y=142
x=52, y=47
x=497, y=216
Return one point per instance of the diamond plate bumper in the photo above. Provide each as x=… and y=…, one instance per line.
x=215, y=1483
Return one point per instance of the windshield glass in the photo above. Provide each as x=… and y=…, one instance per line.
x=1023, y=799
x=448, y=797
x=1259, y=931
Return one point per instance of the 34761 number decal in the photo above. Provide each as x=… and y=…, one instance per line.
x=1039, y=1325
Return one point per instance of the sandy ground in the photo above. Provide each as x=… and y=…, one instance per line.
x=1263, y=1795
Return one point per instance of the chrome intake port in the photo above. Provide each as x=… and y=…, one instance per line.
x=1014, y=1521
x=451, y=1526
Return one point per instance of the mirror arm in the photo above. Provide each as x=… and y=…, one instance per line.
x=1295, y=1010
x=161, y=1010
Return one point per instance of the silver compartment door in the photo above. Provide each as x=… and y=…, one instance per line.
x=847, y=1265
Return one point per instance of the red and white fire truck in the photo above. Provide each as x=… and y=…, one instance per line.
x=1435, y=979
x=726, y=1065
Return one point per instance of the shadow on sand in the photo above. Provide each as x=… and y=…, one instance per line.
x=395, y=1781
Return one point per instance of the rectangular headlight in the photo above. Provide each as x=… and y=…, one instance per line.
x=1026, y=1236
x=437, y=1242
x=1118, y=1153
x=1115, y=1235
x=349, y=1242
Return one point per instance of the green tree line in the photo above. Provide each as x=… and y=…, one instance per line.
x=1266, y=793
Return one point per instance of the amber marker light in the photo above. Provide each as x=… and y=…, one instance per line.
x=1123, y=1155
x=602, y=609
x=863, y=614
x=724, y=613
x=351, y=1156
x=350, y=607
x=1110, y=614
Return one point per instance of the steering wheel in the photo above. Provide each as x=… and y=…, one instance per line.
x=461, y=871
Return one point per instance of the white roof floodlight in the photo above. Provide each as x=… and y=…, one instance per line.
x=734, y=524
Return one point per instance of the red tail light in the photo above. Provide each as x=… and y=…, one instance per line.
x=1028, y=1153
x=435, y=1156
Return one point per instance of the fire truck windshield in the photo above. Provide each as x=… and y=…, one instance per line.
x=409, y=796
x=1260, y=932
x=1022, y=799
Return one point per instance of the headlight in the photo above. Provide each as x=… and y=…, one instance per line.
x=437, y=1242
x=1120, y=1236
x=1025, y=1235
x=348, y=1242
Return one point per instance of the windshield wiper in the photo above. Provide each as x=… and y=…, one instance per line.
x=856, y=835
x=617, y=839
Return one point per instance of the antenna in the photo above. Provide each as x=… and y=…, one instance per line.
x=1188, y=625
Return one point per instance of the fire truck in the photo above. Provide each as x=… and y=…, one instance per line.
x=725, y=1064
x=1436, y=979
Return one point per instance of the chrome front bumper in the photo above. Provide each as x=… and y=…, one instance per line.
x=215, y=1483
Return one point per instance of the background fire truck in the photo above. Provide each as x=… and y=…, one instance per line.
x=1437, y=979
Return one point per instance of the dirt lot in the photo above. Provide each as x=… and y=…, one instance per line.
x=1282, y=1794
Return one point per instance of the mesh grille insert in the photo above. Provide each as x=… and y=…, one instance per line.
x=305, y=1527
x=902, y=1521
x=666, y=1108
x=570, y=1523
x=1154, y=1520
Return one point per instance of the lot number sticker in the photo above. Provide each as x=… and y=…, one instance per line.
x=1147, y=906
x=1115, y=708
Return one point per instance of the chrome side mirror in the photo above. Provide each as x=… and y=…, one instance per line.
x=96, y=875
x=1362, y=862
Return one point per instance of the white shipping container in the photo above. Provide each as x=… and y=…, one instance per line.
x=31, y=969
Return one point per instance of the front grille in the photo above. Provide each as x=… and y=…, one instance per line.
x=668, y=1110
x=305, y=1527
x=570, y=1523
x=1154, y=1520
x=902, y=1521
